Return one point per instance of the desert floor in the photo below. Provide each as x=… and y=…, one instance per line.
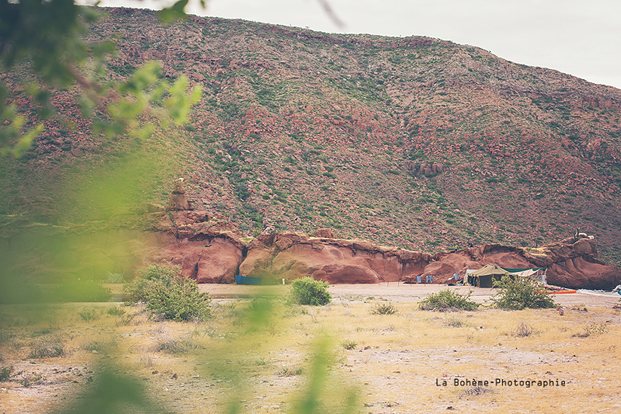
x=400, y=292
x=264, y=356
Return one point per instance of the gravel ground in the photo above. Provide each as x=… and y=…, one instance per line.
x=399, y=292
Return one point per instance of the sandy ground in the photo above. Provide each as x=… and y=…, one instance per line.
x=402, y=363
x=399, y=292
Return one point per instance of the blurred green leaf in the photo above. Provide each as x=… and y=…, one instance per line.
x=174, y=12
x=113, y=393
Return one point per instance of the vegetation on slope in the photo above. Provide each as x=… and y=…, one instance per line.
x=298, y=130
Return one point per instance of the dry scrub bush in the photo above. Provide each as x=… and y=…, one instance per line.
x=349, y=344
x=384, y=309
x=175, y=346
x=474, y=391
x=47, y=349
x=454, y=322
x=594, y=328
x=523, y=330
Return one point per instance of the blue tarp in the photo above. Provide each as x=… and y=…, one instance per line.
x=243, y=280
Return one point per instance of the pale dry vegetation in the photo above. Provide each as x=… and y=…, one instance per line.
x=266, y=356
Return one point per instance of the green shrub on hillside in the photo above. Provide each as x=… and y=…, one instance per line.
x=447, y=300
x=308, y=291
x=169, y=294
x=520, y=293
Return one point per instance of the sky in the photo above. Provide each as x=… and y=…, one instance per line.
x=579, y=37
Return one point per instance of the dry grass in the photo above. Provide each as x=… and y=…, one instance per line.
x=394, y=367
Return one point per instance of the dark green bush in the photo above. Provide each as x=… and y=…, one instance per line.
x=169, y=294
x=161, y=273
x=308, y=291
x=447, y=300
x=5, y=373
x=520, y=293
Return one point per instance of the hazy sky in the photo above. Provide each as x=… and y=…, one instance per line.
x=579, y=37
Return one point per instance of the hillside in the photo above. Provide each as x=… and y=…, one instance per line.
x=413, y=142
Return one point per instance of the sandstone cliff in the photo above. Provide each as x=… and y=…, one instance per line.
x=211, y=250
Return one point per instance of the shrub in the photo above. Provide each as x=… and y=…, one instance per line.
x=169, y=294
x=454, y=322
x=520, y=293
x=384, y=309
x=179, y=300
x=286, y=372
x=349, y=344
x=47, y=349
x=5, y=373
x=308, y=291
x=88, y=315
x=447, y=300
x=162, y=273
x=523, y=330
x=594, y=328
x=175, y=346
x=115, y=311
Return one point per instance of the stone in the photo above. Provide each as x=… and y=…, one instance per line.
x=325, y=233
x=178, y=200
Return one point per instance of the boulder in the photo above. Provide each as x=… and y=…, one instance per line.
x=216, y=262
x=338, y=273
x=325, y=233
x=581, y=273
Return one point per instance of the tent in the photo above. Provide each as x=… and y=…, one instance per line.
x=535, y=273
x=114, y=278
x=485, y=276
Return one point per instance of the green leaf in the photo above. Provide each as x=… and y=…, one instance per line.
x=174, y=12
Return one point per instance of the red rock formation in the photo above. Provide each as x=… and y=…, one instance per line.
x=325, y=234
x=178, y=200
x=209, y=248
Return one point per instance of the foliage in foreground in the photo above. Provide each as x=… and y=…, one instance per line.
x=520, y=293
x=14, y=290
x=168, y=293
x=83, y=291
x=307, y=291
x=48, y=36
x=112, y=392
x=447, y=300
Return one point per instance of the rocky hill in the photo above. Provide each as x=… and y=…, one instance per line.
x=412, y=142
